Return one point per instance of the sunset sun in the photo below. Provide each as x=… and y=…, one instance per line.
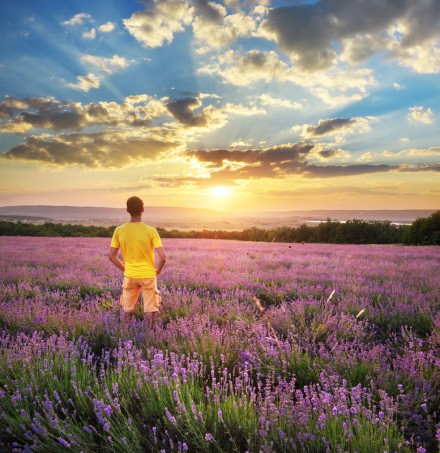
x=220, y=192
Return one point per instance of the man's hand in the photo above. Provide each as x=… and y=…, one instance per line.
x=113, y=257
x=162, y=260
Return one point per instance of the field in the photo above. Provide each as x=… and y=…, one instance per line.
x=259, y=347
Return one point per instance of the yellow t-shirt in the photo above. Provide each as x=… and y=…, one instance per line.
x=137, y=242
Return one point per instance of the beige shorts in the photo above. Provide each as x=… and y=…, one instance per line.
x=131, y=287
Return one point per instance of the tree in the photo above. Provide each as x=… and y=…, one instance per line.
x=424, y=231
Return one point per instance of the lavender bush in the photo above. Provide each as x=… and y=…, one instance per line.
x=259, y=347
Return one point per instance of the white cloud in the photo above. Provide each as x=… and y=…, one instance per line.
x=240, y=144
x=223, y=32
x=104, y=64
x=107, y=27
x=408, y=156
x=424, y=59
x=397, y=86
x=419, y=114
x=156, y=26
x=91, y=34
x=334, y=87
x=78, y=19
x=268, y=100
x=86, y=83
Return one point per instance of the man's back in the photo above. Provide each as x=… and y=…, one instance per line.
x=137, y=242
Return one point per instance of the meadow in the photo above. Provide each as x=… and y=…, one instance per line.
x=260, y=347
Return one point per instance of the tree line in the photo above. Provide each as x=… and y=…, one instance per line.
x=423, y=231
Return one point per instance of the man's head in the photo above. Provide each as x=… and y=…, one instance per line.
x=135, y=206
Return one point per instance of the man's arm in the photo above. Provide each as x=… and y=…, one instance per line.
x=162, y=260
x=113, y=257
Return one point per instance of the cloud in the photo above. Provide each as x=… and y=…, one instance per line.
x=316, y=36
x=109, y=149
x=183, y=111
x=332, y=171
x=11, y=104
x=240, y=144
x=270, y=101
x=209, y=117
x=332, y=191
x=419, y=114
x=139, y=111
x=78, y=19
x=86, y=83
x=225, y=165
x=409, y=156
x=423, y=58
x=91, y=34
x=330, y=153
x=277, y=162
x=104, y=64
x=157, y=26
x=123, y=133
x=213, y=28
x=359, y=48
x=327, y=126
x=337, y=127
x=334, y=87
x=21, y=115
x=307, y=32
x=107, y=27
x=418, y=168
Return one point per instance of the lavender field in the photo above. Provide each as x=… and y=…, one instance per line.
x=259, y=347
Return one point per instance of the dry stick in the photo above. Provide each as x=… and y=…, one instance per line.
x=262, y=310
x=345, y=333
x=329, y=297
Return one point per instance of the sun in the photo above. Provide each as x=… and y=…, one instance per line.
x=220, y=192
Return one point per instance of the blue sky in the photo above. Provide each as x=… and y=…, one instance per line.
x=234, y=105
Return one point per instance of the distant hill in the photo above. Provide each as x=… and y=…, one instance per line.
x=402, y=215
x=98, y=214
x=193, y=218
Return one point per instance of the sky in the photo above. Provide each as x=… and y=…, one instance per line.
x=239, y=105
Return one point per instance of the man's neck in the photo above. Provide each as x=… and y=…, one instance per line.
x=137, y=218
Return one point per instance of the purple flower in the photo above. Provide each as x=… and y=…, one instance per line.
x=108, y=410
x=170, y=417
x=209, y=437
x=63, y=442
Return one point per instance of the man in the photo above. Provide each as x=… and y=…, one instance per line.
x=138, y=242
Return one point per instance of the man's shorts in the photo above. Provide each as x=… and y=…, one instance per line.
x=131, y=287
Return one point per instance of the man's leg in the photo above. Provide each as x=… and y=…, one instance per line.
x=151, y=301
x=130, y=294
x=127, y=319
x=150, y=318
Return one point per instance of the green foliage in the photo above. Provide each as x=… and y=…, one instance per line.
x=424, y=231
x=49, y=229
x=421, y=323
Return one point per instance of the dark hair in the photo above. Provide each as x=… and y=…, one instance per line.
x=135, y=206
